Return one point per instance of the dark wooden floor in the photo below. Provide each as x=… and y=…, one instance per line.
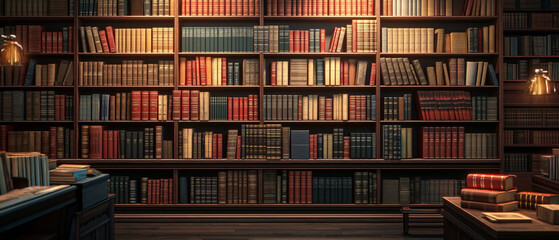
x=268, y=231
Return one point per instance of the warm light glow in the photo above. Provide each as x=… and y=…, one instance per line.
x=11, y=53
x=540, y=84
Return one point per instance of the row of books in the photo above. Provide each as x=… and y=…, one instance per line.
x=453, y=142
x=330, y=71
x=530, y=5
x=35, y=39
x=361, y=37
x=126, y=40
x=57, y=142
x=34, y=74
x=220, y=8
x=438, y=8
x=315, y=107
x=32, y=166
x=456, y=105
x=399, y=71
x=398, y=108
x=530, y=20
x=320, y=8
x=419, y=190
x=528, y=45
x=127, y=73
x=518, y=162
x=525, y=68
x=397, y=142
x=228, y=187
x=144, y=190
x=550, y=165
x=430, y=40
x=208, y=71
x=105, y=107
x=490, y=192
x=531, y=116
x=99, y=142
x=531, y=137
x=37, y=8
x=36, y=106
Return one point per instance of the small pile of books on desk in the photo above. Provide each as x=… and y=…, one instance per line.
x=490, y=192
x=69, y=173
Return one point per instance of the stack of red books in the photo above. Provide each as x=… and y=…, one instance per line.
x=490, y=192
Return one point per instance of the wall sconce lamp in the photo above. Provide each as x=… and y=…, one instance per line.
x=540, y=84
x=11, y=53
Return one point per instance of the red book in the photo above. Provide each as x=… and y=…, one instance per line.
x=250, y=111
x=354, y=32
x=311, y=143
x=196, y=71
x=291, y=39
x=291, y=184
x=110, y=39
x=223, y=70
x=110, y=143
x=105, y=144
x=240, y=4
x=273, y=75
x=188, y=80
x=468, y=8
x=328, y=113
x=60, y=41
x=357, y=107
x=322, y=40
x=43, y=42
x=145, y=105
x=246, y=108
x=303, y=187
x=220, y=146
x=104, y=43
x=203, y=77
x=490, y=181
x=4, y=129
x=431, y=142
x=424, y=148
x=185, y=104
x=116, y=143
x=230, y=108
x=373, y=79
x=52, y=143
x=238, y=147
x=345, y=73
x=309, y=187
x=177, y=104
x=153, y=105
x=227, y=7
x=346, y=147
x=235, y=108
x=288, y=4
x=182, y=71
x=460, y=142
x=454, y=142
x=296, y=40
x=281, y=7
x=442, y=147
x=352, y=107
x=149, y=191
x=333, y=40
x=306, y=41
x=256, y=7
x=95, y=141
x=241, y=108
x=214, y=145
x=194, y=104
x=234, y=7
x=437, y=146
x=49, y=42
x=300, y=108
x=57, y=107
x=171, y=191
x=136, y=110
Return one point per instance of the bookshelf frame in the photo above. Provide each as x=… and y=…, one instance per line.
x=175, y=164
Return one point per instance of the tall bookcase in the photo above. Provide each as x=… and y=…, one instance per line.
x=175, y=167
x=532, y=20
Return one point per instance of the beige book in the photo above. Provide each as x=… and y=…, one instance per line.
x=285, y=73
x=337, y=71
x=209, y=71
x=446, y=74
x=352, y=71
x=133, y=40
x=423, y=40
x=341, y=39
x=279, y=73
x=149, y=40
x=118, y=41
x=391, y=39
x=349, y=45
x=213, y=75
x=491, y=38
x=458, y=42
x=90, y=40
x=311, y=73
x=417, y=40
x=184, y=143
x=305, y=107
x=483, y=8
x=139, y=39
x=411, y=37
x=430, y=40
x=345, y=106
x=327, y=77
x=406, y=40
x=431, y=76
x=484, y=73
x=160, y=107
x=431, y=8
x=165, y=107
x=315, y=107
x=400, y=40
x=478, y=74
x=439, y=73
x=448, y=10
x=97, y=40
x=38, y=70
x=128, y=40
x=361, y=72
x=447, y=42
x=485, y=35
x=207, y=104
x=424, y=8
x=219, y=70
x=51, y=74
x=142, y=43
x=439, y=33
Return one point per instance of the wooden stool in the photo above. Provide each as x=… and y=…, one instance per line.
x=406, y=211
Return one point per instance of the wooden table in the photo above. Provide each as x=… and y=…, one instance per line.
x=460, y=223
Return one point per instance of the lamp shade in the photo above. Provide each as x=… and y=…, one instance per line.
x=11, y=53
x=540, y=84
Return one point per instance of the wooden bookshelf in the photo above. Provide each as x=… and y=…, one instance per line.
x=541, y=183
x=174, y=167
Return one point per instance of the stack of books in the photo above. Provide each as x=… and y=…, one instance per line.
x=490, y=192
x=69, y=173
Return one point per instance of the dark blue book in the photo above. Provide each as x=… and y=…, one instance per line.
x=321, y=190
x=230, y=79
x=492, y=75
x=340, y=192
x=319, y=72
x=29, y=77
x=315, y=193
x=319, y=147
x=327, y=189
x=300, y=144
x=128, y=144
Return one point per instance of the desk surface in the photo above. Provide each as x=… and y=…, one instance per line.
x=474, y=219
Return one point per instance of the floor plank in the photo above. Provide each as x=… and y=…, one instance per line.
x=269, y=231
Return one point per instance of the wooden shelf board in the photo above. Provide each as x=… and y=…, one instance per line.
x=219, y=18
x=522, y=57
x=223, y=87
x=39, y=87
x=318, y=54
x=126, y=54
x=529, y=30
x=127, y=18
x=229, y=54
x=322, y=87
x=532, y=145
x=36, y=122
x=36, y=18
x=312, y=205
x=439, y=121
x=322, y=121
x=531, y=11
x=438, y=18
x=318, y=18
x=531, y=127
x=437, y=55
x=437, y=87
x=49, y=54
x=127, y=86
x=545, y=182
x=531, y=105
x=125, y=121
